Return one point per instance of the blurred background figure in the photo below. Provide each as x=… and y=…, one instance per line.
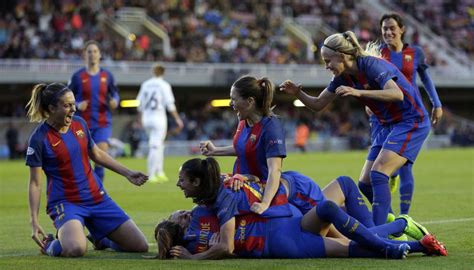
x=302, y=135
x=155, y=98
x=11, y=136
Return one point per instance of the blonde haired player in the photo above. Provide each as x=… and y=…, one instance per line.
x=156, y=97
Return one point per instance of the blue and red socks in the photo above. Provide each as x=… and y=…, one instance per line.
x=406, y=187
x=355, y=204
x=382, y=197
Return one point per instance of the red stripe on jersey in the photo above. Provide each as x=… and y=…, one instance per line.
x=86, y=96
x=413, y=103
x=240, y=127
x=81, y=138
x=102, y=122
x=250, y=243
x=251, y=150
x=408, y=63
x=279, y=199
x=250, y=195
x=386, y=54
x=404, y=146
x=64, y=166
x=306, y=199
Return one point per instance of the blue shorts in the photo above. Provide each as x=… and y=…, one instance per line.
x=100, y=219
x=286, y=239
x=404, y=138
x=102, y=134
x=304, y=193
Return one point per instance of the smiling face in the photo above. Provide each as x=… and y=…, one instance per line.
x=241, y=105
x=61, y=114
x=181, y=217
x=334, y=61
x=392, y=32
x=92, y=55
x=189, y=188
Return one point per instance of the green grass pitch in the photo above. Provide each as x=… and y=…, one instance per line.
x=444, y=200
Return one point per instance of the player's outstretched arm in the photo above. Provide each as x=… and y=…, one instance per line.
x=208, y=148
x=34, y=198
x=102, y=158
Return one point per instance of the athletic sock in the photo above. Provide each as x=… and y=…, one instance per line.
x=415, y=246
x=54, y=249
x=348, y=226
x=358, y=251
x=106, y=242
x=406, y=188
x=366, y=189
x=395, y=227
x=382, y=199
x=355, y=204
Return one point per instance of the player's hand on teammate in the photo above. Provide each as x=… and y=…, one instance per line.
x=237, y=181
x=346, y=91
x=180, y=252
x=436, y=115
x=290, y=87
x=82, y=106
x=38, y=234
x=258, y=208
x=207, y=148
x=137, y=178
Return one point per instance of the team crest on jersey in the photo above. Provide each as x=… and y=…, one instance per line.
x=80, y=133
x=103, y=79
x=30, y=151
x=84, y=81
x=408, y=58
x=253, y=138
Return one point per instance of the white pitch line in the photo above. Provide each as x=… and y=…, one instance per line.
x=447, y=221
x=154, y=244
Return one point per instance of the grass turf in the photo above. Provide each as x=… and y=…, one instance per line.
x=444, y=200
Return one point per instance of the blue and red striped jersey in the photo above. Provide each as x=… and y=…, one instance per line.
x=97, y=89
x=231, y=203
x=253, y=145
x=204, y=224
x=374, y=73
x=64, y=159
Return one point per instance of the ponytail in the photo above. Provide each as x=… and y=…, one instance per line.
x=260, y=89
x=208, y=172
x=36, y=111
x=167, y=235
x=347, y=43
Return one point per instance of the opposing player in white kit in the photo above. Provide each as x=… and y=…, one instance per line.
x=155, y=97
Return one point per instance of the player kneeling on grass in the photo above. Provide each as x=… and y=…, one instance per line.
x=251, y=235
x=61, y=146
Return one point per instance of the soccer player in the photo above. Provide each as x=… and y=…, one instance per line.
x=259, y=142
x=192, y=235
x=410, y=60
x=155, y=97
x=96, y=95
x=61, y=146
x=384, y=89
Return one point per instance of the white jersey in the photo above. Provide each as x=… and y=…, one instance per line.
x=155, y=98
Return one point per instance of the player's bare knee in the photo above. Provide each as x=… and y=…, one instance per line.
x=74, y=250
x=142, y=246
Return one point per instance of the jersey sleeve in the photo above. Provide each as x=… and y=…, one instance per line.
x=168, y=97
x=34, y=151
x=274, y=139
x=422, y=66
x=380, y=71
x=335, y=83
x=226, y=206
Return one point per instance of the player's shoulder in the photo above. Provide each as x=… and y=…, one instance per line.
x=39, y=133
x=78, y=72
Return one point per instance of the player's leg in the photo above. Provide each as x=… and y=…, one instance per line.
x=386, y=163
x=101, y=138
x=407, y=186
x=110, y=227
x=72, y=239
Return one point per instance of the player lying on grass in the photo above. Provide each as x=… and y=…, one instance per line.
x=61, y=146
x=200, y=180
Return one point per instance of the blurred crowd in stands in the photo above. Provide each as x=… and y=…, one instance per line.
x=214, y=31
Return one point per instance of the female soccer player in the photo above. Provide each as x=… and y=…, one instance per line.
x=97, y=95
x=259, y=142
x=192, y=235
x=410, y=60
x=61, y=146
x=200, y=180
x=385, y=90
